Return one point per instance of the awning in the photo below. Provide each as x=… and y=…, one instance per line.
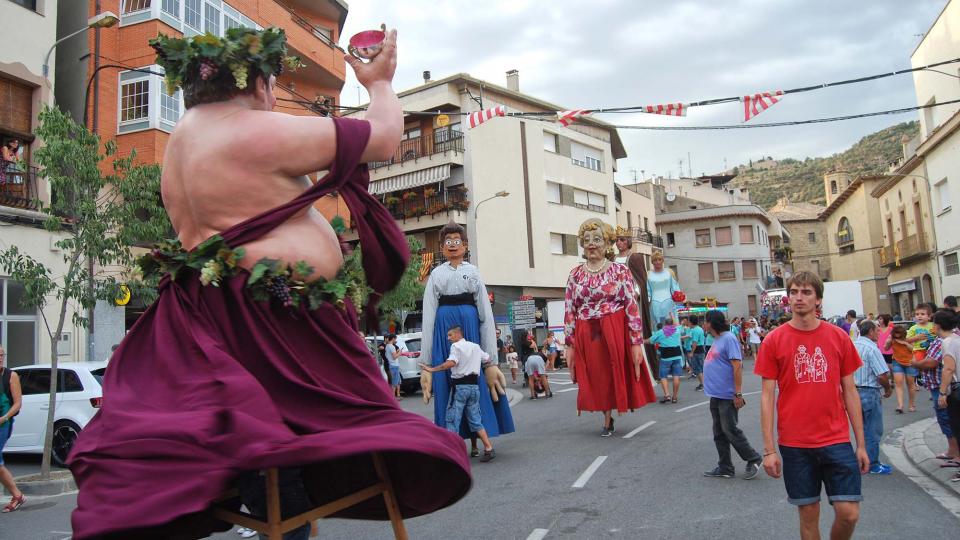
x=903, y=286
x=411, y=180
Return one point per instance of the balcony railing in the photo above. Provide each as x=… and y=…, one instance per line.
x=417, y=147
x=647, y=237
x=904, y=251
x=323, y=34
x=18, y=189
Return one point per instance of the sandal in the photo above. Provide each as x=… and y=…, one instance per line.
x=674, y=400
x=950, y=463
x=946, y=457
x=14, y=504
x=912, y=409
x=665, y=399
x=474, y=452
x=899, y=411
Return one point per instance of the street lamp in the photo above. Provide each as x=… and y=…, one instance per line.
x=495, y=195
x=100, y=20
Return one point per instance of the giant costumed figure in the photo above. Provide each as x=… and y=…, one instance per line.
x=455, y=295
x=638, y=269
x=250, y=357
x=663, y=291
x=604, y=331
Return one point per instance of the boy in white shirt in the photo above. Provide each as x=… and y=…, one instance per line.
x=464, y=364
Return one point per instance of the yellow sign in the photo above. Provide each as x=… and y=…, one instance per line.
x=124, y=297
x=441, y=120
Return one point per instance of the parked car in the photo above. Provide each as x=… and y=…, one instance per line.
x=409, y=365
x=79, y=395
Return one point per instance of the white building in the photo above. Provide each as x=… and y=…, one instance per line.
x=938, y=146
x=524, y=243
x=30, y=29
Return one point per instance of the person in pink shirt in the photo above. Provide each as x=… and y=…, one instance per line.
x=884, y=327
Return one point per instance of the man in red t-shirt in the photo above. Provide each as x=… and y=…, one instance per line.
x=812, y=364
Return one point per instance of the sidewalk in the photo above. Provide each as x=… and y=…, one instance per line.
x=922, y=441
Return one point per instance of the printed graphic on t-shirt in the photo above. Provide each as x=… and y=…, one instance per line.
x=808, y=368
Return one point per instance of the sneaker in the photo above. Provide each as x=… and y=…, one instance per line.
x=246, y=533
x=699, y=388
x=955, y=478
x=753, y=469
x=488, y=455
x=718, y=473
x=606, y=432
x=881, y=468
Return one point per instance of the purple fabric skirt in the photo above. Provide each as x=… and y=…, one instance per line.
x=210, y=383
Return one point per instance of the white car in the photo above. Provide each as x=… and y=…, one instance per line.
x=409, y=365
x=79, y=396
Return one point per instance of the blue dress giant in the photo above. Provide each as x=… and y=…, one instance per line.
x=456, y=296
x=660, y=288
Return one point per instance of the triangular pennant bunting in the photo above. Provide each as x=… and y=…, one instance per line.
x=481, y=116
x=757, y=103
x=568, y=117
x=670, y=109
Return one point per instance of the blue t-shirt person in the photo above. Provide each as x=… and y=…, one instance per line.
x=718, y=369
x=696, y=338
x=667, y=337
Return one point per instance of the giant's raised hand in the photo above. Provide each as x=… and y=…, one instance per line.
x=381, y=68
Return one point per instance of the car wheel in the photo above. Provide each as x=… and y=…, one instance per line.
x=64, y=435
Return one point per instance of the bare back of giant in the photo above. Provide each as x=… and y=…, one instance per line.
x=224, y=165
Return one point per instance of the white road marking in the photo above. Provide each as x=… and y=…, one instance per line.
x=587, y=474
x=538, y=534
x=566, y=390
x=639, y=429
x=562, y=382
x=896, y=454
x=688, y=407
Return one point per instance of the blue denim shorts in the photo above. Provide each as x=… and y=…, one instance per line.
x=395, y=376
x=671, y=368
x=834, y=467
x=909, y=371
x=696, y=363
x=464, y=401
x=942, y=416
x=5, y=431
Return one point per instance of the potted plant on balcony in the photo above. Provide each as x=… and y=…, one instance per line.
x=462, y=204
x=391, y=201
x=409, y=195
x=429, y=192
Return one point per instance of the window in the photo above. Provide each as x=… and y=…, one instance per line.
x=581, y=199
x=671, y=241
x=592, y=163
x=29, y=4
x=551, y=142
x=752, y=304
x=586, y=156
x=943, y=196
x=135, y=100
x=844, y=233
x=673, y=268
x=191, y=13
x=171, y=7
x=553, y=192
x=706, y=272
x=231, y=18
x=212, y=19
x=951, y=265
x=18, y=325
x=69, y=381
x=726, y=271
x=812, y=237
x=597, y=202
x=646, y=224
x=746, y=234
x=34, y=381
x=703, y=238
x=132, y=6
x=724, y=236
x=749, y=269
x=833, y=187
x=411, y=134
x=170, y=106
x=815, y=265
x=629, y=220
x=564, y=244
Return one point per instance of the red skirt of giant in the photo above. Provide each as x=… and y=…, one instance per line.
x=604, y=367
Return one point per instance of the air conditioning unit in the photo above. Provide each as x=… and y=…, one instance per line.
x=65, y=345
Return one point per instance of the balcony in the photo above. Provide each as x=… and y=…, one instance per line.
x=417, y=203
x=845, y=237
x=647, y=237
x=904, y=251
x=414, y=148
x=18, y=189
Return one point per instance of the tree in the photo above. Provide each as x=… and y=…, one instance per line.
x=403, y=298
x=97, y=218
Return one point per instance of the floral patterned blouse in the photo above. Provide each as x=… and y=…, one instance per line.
x=591, y=296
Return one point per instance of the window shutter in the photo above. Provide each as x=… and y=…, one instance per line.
x=566, y=194
x=570, y=244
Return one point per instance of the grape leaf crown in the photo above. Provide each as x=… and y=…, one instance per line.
x=240, y=50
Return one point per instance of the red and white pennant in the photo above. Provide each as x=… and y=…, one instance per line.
x=670, y=109
x=757, y=103
x=568, y=117
x=478, y=117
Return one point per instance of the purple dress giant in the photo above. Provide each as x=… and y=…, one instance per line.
x=210, y=383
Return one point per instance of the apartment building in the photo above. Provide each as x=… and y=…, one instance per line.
x=110, y=81
x=937, y=158
x=855, y=237
x=30, y=29
x=520, y=186
x=721, y=253
x=808, y=245
x=636, y=212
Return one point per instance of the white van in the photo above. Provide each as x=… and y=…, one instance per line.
x=409, y=365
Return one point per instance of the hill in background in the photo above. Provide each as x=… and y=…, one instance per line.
x=802, y=181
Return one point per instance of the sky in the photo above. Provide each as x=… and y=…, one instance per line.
x=614, y=53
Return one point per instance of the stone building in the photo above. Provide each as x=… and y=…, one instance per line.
x=809, y=246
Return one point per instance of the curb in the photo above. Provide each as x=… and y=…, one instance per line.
x=513, y=396
x=60, y=482
x=919, y=454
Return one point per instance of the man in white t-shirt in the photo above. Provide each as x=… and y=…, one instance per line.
x=464, y=364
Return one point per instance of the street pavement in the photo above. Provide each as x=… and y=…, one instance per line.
x=557, y=478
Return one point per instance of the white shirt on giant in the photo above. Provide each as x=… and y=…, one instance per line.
x=467, y=357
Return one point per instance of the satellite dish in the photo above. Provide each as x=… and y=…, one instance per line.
x=671, y=196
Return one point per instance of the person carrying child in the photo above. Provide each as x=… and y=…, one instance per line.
x=903, y=372
x=536, y=371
